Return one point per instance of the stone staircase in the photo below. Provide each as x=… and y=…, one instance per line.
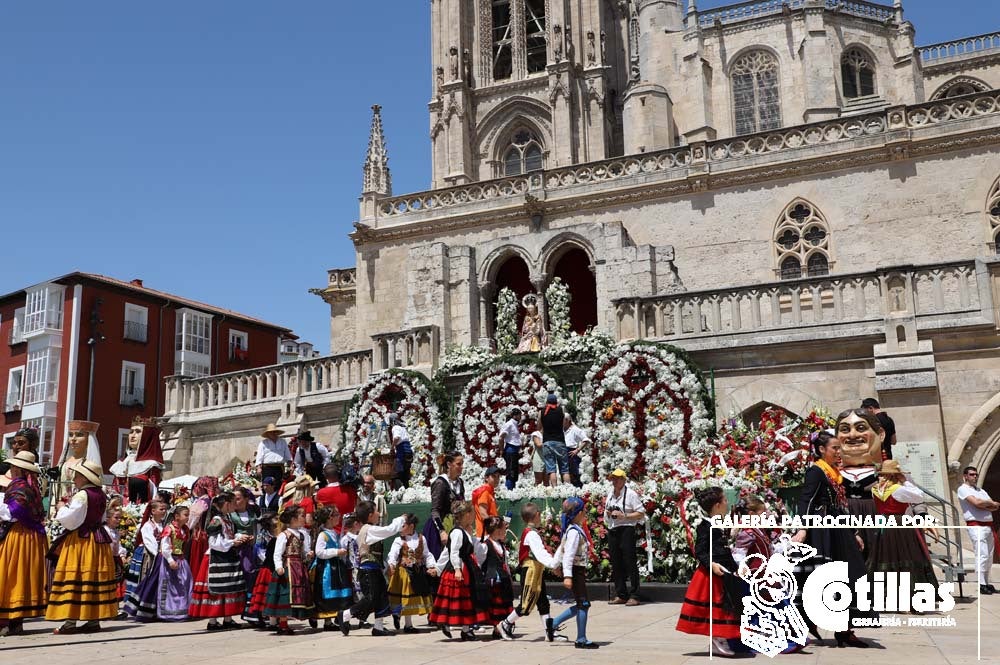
x=863, y=105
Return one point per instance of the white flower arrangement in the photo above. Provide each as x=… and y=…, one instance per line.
x=506, y=323
x=366, y=431
x=484, y=407
x=462, y=357
x=574, y=346
x=645, y=408
x=557, y=299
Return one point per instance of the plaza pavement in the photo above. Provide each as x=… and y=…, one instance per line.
x=627, y=635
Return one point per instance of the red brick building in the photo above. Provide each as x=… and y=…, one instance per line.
x=85, y=346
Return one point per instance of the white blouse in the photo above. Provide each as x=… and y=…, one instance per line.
x=282, y=542
x=72, y=514
x=413, y=542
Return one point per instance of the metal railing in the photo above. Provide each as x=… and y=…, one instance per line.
x=135, y=331
x=946, y=514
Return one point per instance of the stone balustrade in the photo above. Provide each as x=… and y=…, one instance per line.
x=797, y=304
x=934, y=53
x=264, y=384
x=700, y=158
x=743, y=11
x=414, y=348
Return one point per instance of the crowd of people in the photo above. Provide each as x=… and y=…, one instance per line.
x=316, y=546
x=843, y=480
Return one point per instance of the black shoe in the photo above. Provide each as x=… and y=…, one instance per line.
x=587, y=645
x=446, y=631
x=467, y=636
x=848, y=638
x=90, y=627
x=313, y=624
x=395, y=621
x=814, y=631
x=986, y=590
x=345, y=626
x=409, y=630
x=992, y=588
x=215, y=626
x=364, y=624
x=506, y=629
x=550, y=630
x=381, y=633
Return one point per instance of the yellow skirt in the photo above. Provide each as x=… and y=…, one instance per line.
x=404, y=600
x=83, y=585
x=22, y=574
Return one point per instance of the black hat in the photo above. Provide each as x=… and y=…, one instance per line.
x=305, y=435
x=493, y=469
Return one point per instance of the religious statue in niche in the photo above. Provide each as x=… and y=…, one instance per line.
x=139, y=473
x=533, y=334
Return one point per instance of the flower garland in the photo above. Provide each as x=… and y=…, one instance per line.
x=557, y=299
x=485, y=406
x=407, y=393
x=506, y=323
x=647, y=410
x=464, y=358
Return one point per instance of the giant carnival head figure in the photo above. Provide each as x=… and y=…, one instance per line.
x=860, y=436
x=135, y=432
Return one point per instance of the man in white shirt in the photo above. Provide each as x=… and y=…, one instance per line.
x=976, y=508
x=623, y=510
x=510, y=436
x=402, y=449
x=311, y=457
x=272, y=453
x=576, y=441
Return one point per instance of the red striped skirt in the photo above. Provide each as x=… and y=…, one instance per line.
x=698, y=606
x=205, y=604
x=453, y=605
x=258, y=599
x=501, y=602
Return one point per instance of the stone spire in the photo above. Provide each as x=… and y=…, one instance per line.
x=377, y=178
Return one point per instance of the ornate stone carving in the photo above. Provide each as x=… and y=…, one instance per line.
x=591, y=48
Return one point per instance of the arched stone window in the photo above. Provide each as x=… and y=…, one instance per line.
x=962, y=85
x=524, y=153
x=756, y=99
x=518, y=32
x=802, y=242
x=993, y=213
x=857, y=72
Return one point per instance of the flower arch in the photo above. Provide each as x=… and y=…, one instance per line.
x=485, y=405
x=648, y=410
x=409, y=394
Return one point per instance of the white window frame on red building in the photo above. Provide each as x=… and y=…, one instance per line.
x=133, y=384
x=43, y=308
x=136, y=322
x=14, y=397
x=193, y=343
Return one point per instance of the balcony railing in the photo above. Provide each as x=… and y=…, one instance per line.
x=977, y=45
x=17, y=334
x=744, y=11
x=131, y=397
x=295, y=379
x=945, y=289
x=12, y=402
x=698, y=160
x=135, y=331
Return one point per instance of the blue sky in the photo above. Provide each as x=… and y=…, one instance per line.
x=214, y=149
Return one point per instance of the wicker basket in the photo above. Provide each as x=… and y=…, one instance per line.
x=384, y=466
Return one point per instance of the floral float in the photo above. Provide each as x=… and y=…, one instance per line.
x=408, y=394
x=648, y=412
x=484, y=407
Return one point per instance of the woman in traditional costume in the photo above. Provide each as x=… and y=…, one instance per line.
x=446, y=489
x=83, y=584
x=22, y=546
x=24, y=440
x=244, y=518
x=715, y=563
x=204, y=490
x=899, y=550
x=219, y=590
x=143, y=563
x=333, y=588
x=462, y=599
x=174, y=583
x=289, y=594
x=823, y=496
x=410, y=566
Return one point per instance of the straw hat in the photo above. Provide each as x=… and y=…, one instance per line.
x=24, y=460
x=92, y=471
x=301, y=483
x=272, y=429
x=890, y=467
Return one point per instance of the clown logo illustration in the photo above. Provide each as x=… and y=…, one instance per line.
x=771, y=623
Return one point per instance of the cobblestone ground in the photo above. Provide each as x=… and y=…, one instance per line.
x=642, y=634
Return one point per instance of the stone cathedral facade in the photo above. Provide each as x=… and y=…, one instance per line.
x=795, y=191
